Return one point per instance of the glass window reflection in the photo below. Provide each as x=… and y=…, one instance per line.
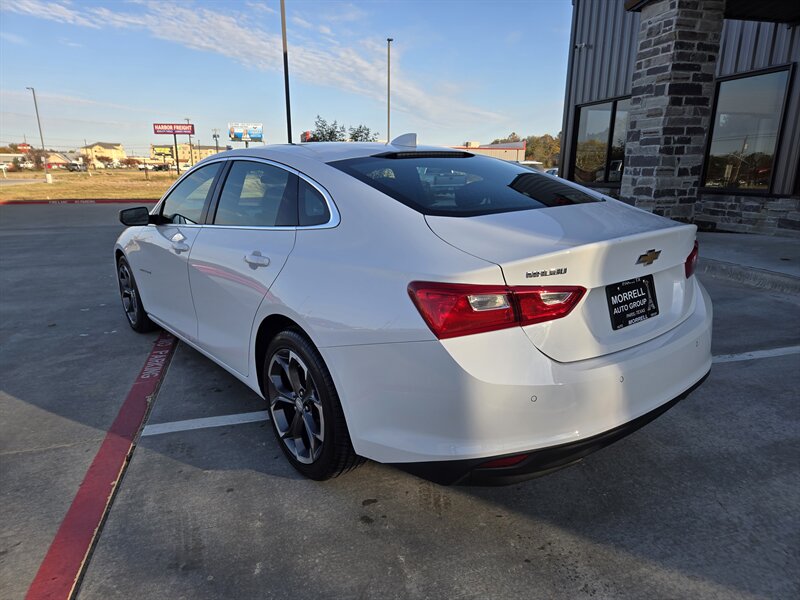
x=745, y=132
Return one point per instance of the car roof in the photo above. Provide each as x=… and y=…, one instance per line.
x=329, y=151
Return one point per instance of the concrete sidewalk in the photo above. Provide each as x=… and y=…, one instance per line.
x=763, y=261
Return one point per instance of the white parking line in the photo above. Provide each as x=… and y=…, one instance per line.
x=723, y=358
x=263, y=415
x=205, y=423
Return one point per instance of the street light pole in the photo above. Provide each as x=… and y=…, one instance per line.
x=388, y=88
x=191, y=154
x=286, y=73
x=216, y=140
x=47, y=176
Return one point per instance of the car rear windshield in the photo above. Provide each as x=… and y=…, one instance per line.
x=458, y=184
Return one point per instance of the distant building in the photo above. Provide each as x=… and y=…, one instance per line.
x=56, y=160
x=688, y=108
x=114, y=151
x=8, y=158
x=509, y=151
x=165, y=153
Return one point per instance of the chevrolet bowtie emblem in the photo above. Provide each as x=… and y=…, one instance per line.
x=649, y=257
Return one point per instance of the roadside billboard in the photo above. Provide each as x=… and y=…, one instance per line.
x=162, y=150
x=246, y=132
x=174, y=128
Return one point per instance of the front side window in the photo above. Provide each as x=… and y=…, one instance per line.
x=257, y=195
x=460, y=186
x=745, y=131
x=185, y=203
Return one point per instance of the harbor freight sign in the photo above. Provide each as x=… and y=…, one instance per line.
x=174, y=128
x=246, y=132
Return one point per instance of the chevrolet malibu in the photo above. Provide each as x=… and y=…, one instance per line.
x=461, y=317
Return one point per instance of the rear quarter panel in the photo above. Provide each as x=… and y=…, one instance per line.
x=348, y=285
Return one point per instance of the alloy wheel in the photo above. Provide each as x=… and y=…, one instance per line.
x=295, y=406
x=130, y=300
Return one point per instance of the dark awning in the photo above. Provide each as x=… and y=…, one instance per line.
x=775, y=11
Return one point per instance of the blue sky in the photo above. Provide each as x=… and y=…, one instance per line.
x=106, y=70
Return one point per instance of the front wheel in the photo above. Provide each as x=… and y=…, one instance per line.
x=305, y=411
x=131, y=300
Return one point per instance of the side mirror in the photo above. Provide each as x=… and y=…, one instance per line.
x=135, y=216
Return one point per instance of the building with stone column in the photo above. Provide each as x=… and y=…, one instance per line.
x=688, y=108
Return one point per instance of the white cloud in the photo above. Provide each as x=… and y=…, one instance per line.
x=261, y=6
x=52, y=11
x=346, y=12
x=13, y=38
x=358, y=70
x=301, y=22
x=45, y=97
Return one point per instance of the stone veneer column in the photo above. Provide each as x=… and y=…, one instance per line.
x=671, y=96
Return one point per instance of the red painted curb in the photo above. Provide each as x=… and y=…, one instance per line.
x=64, y=561
x=87, y=201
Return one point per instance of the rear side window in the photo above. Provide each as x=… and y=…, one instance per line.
x=460, y=186
x=257, y=195
x=185, y=203
x=313, y=208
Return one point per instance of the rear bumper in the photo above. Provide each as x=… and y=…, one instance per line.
x=538, y=462
x=494, y=394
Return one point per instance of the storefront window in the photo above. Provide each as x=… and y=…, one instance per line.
x=617, y=154
x=600, y=148
x=745, y=131
x=592, y=148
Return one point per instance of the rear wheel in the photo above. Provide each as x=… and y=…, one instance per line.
x=305, y=411
x=131, y=301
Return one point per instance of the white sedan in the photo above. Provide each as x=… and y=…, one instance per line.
x=500, y=325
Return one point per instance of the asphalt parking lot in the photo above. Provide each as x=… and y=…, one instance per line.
x=701, y=503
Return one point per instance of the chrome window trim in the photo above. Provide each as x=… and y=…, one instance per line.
x=157, y=208
x=332, y=222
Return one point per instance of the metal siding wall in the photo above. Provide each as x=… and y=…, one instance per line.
x=604, y=67
x=750, y=46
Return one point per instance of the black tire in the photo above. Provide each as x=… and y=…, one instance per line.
x=288, y=354
x=131, y=299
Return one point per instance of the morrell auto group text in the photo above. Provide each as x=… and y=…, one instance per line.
x=634, y=299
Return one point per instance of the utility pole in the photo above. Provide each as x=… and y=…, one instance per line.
x=388, y=88
x=86, y=153
x=48, y=178
x=286, y=73
x=216, y=140
x=177, y=162
x=191, y=154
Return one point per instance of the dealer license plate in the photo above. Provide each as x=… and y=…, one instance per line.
x=631, y=301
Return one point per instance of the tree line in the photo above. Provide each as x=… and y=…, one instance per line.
x=545, y=148
x=334, y=132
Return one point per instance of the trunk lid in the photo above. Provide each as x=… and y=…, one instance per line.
x=590, y=245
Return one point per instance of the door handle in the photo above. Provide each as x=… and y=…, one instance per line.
x=255, y=260
x=178, y=242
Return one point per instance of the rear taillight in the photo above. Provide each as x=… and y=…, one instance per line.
x=456, y=309
x=691, y=261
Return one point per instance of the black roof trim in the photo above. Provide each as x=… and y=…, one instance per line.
x=425, y=154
